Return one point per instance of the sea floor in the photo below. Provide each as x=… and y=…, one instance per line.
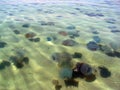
x=33, y=31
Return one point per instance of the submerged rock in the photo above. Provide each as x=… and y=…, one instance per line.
x=49, y=39
x=115, y=31
x=14, y=59
x=49, y=12
x=16, y=32
x=69, y=42
x=43, y=23
x=110, y=20
x=2, y=44
x=71, y=27
x=31, y=39
x=114, y=45
x=100, y=14
x=74, y=33
x=57, y=85
x=92, y=46
x=94, y=14
x=91, y=14
x=109, y=51
x=71, y=36
x=4, y=64
x=71, y=83
x=50, y=23
x=26, y=60
x=90, y=78
x=19, y=65
x=54, y=37
x=105, y=49
x=30, y=35
x=36, y=39
x=77, y=55
x=26, y=25
x=77, y=8
x=110, y=54
x=117, y=54
x=112, y=27
x=104, y=72
x=95, y=32
x=63, y=33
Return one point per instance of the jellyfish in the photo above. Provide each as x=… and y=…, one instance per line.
x=83, y=68
x=86, y=69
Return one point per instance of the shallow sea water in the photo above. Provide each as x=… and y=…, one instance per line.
x=31, y=31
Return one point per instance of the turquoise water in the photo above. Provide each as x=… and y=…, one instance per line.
x=43, y=41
